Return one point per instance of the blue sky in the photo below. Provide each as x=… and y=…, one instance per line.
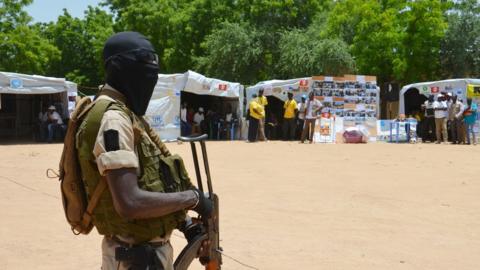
x=49, y=10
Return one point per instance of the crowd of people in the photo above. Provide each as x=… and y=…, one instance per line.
x=216, y=124
x=298, y=118
x=447, y=119
x=50, y=125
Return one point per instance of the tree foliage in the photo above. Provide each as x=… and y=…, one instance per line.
x=22, y=48
x=252, y=40
x=460, y=54
x=395, y=40
x=81, y=44
x=233, y=52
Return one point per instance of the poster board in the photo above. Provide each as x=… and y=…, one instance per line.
x=353, y=98
x=325, y=130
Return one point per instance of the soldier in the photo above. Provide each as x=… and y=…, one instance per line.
x=135, y=214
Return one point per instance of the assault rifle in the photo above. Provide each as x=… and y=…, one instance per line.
x=206, y=244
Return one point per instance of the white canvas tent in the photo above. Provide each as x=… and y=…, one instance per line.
x=163, y=112
x=23, y=95
x=454, y=86
x=280, y=88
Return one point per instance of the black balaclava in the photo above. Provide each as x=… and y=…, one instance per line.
x=131, y=68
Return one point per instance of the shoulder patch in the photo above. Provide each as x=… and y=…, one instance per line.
x=111, y=140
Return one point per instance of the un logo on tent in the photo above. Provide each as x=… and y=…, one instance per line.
x=157, y=121
x=16, y=83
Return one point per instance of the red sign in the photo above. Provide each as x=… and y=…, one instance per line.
x=303, y=83
x=222, y=87
x=435, y=89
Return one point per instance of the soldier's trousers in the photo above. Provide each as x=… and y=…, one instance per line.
x=164, y=254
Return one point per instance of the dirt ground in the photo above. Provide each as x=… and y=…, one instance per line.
x=283, y=206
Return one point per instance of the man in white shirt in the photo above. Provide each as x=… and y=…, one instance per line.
x=54, y=122
x=428, y=123
x=440, y=106
x=197, y=120
x=301, y=115
x=312, y=108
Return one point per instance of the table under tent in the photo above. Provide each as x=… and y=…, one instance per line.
x=196, y=90
x=23, y=97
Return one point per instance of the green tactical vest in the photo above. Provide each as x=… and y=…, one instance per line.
x=158, y=174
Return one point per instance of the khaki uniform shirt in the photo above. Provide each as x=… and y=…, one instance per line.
x=127, y=155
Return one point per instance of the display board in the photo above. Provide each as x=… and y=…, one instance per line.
x=353, y=98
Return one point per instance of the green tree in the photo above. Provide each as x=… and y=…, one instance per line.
x=303, y=54
x=395, y=40
x=425, y=28
x=176, y=28
x=22, y=48
x=233, y=52
x=81, y=44
x=460, y=54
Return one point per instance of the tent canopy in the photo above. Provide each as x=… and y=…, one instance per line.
x=15, y=83
x=201, y=85
x=280, y=88
x=455, y=86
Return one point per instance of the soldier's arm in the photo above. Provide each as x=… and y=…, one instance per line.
x=117, y=161
x=131, y=202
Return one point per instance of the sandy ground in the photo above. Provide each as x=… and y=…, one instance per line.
x=283, y=206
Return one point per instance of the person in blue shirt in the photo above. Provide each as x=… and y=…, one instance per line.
x=470, y=116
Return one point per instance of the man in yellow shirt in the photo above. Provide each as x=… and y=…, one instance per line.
x=263, y=102
x=289, y=124
x=256, y=113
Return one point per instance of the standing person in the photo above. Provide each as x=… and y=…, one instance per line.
x=455, y=116
x=43, y=125
x=301, y=115
x=186, y=128
x=54, y=122
x=262, y=101
x=470, y=116
x=312, y=108
x=428, y=124
x=229, y=122
x=256, y=113
x=440, y=106
x=198, y=118
x=289, y=125
x=116, y=145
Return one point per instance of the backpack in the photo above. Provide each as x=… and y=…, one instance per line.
x=78, y=210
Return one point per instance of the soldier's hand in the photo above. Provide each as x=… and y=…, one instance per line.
x=204, y=207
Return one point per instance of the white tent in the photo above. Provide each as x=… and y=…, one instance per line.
x=454, y=86
x=280, y=88
x=163, y=112
x=22, y=99
x=23, y=84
